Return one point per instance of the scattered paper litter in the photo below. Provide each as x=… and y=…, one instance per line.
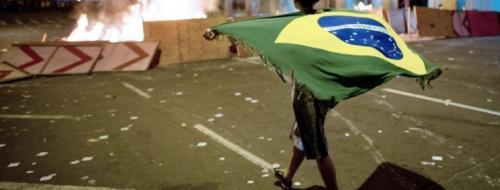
x=347, y=134
x=183, y=124
x=248, y=99
x=47, y=178
x=379, y=131
x=262, y=138
x=201, y=144
x=2, y=145
x=254, y=101
x=282, y=151
x=86, y=159
x=84, y=178
x=93, y=140
x=127, y=127
x=92, y=182
x=222, y=158
x=427, y=163
x=179, y=93
x=269, y=139
x=103, y=137
x=237, y=94
x=13, y=165
x=134, y=118
x=489, y=100
x=276, y=165
x=74, y=162
x=41, y=154
x=437, y=158
x=210, y=119
x=33, y=163
x=265, y=175
x=30, y=172
x=250, y=182
x=219, y=115
x=150, y=89
x=296, y=184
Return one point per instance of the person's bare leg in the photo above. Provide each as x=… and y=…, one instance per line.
x=327, y=171
x=294, y=164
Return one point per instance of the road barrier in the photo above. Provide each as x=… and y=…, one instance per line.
x=9, y=73
x=61, y=58
x=128, y=56
x=30, y=58
x=73, y=58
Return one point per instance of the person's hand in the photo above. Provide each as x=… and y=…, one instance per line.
x=210, y=34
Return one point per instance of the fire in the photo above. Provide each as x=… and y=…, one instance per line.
x=119, y=20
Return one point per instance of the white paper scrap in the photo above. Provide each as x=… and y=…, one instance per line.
x=47, y=178
x=437, y=158
x=426, y=163
x=13, y=165
x=103, y=137
x=86, y=159
x=201, y=144
x=41, y=154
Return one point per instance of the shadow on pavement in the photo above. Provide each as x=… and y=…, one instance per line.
x=204, y=186
x=391, y=176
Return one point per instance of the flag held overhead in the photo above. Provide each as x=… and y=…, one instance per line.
x=336, y=54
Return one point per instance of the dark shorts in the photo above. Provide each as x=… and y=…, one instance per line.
x=310, y=117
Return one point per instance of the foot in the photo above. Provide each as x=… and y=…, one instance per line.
x=283, y=182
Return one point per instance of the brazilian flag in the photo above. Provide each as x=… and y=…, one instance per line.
x=336, y=54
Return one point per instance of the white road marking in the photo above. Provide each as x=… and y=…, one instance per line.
x=235, y=148
x=136, y=90
x=32, y=186
x=446, y=102
x=375, y=153
x=15, y=116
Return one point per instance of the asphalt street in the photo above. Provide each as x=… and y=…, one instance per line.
x=218, y=124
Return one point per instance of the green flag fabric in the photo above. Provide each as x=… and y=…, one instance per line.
x=335, y=54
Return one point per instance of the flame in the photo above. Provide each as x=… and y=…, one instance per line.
x=127, y=25
x=157, y=10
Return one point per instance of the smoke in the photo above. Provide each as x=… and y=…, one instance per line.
x=107, y=12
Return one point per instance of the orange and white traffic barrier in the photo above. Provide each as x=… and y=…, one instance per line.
x=9, y=73
x=127, y=56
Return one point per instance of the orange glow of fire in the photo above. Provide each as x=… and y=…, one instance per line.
x=131, y=26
